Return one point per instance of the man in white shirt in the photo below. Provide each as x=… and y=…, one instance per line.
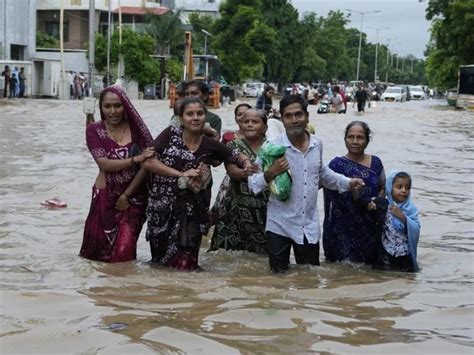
x=338, y=101
x=295, y=222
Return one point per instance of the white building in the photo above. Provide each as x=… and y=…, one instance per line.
x=17, y=29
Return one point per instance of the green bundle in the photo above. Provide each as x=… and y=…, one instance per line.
x=280, y=186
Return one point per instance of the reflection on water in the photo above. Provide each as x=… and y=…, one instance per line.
x=54, y=301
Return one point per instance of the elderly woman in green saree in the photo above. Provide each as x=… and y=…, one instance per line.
x=240, y=224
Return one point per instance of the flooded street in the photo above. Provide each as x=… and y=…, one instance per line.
x=53, y=301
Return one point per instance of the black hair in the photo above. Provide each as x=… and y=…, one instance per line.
x=201, y=85
x=261, y=114
x=244, y=104
x=188, y=101
x=365, y=127
x=402, y=175
x=268, y=88
x=288, y=100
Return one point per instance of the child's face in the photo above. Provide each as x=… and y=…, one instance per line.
x=401, y=189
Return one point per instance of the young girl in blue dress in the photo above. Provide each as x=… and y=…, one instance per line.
x=402, y=226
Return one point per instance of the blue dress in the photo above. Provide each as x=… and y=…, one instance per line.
x=350, y=231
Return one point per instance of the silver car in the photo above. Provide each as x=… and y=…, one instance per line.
x=417, y=93
x=394, y=94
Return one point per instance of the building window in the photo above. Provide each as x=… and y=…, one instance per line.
x=76, y=2
x=52, y=29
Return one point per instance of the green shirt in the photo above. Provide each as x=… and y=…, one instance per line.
x=214, y=120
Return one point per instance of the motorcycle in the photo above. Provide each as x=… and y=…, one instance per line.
x=324, y=106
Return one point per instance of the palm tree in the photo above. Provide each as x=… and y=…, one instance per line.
x=167, y=32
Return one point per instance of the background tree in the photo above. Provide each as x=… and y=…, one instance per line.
x=136, y=49
x=200, y=23
x=241, y=39
x=452, y=40
x=283, y=55
x=167, y=33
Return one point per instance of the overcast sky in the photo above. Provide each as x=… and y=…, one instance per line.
x=405, y=19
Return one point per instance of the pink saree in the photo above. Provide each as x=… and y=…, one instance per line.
x=111, y=235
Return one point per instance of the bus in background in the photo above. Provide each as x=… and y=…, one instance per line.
x=465, y=97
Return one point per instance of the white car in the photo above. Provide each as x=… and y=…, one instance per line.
x=417, y=93
x=394, y=93
x=254, y=89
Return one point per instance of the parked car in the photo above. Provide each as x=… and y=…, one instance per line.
x=407, y=90
x=253, y=89
x=417, y=93
x=394, y=93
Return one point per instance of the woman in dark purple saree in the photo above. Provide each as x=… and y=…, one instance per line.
x=118, y=144
x=352, y=229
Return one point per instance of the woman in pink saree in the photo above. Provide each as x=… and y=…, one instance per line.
x=119, y=144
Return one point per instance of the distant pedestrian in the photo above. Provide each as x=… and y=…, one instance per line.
x=6, y=76
x=22, y=78
x=361, y=98
x=13, y=85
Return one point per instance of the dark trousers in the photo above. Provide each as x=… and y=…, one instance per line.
x=360, y=106
x=279, y=248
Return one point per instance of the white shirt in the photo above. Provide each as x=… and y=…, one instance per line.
x=298, y=217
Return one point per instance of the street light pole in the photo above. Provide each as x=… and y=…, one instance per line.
x=361, y=13
x=205, y=51
x=388, y=57
x=377, y=51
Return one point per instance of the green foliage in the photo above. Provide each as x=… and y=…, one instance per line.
x=174, y=68
x=166, y=30
x=241, y=40
x=136, y=49
x=44, y=40
x=452, y=40
x=200, y=23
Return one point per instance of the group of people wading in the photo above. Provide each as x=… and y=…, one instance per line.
x=369, y=218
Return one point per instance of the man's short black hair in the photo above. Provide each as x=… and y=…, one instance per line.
x=288, y=100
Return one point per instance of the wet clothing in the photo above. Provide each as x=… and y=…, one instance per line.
x=297, y=218
x=177, y=216
x=241, y=224
x=399, y=239
x=279, y=248
x=361, y=97
x=111, y=235
x=350, y=231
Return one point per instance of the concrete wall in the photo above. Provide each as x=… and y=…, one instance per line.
x=73, y=60
x=18, y=27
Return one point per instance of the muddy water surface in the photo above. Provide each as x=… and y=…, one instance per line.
x=53, y=301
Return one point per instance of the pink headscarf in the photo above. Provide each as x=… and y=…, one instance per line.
x=137, y=125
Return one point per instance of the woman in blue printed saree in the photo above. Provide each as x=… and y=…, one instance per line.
x=351, y=230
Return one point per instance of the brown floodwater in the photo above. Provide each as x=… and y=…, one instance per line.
x=53, y=301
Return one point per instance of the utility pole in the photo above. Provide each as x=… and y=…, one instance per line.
x=388, y=56
x=121, y=65
x=109, y=30
x=91, y=46
x=360, y=34
x=64, y=92
x=377, y=51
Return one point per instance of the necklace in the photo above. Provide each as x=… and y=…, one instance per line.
x=116, y=134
